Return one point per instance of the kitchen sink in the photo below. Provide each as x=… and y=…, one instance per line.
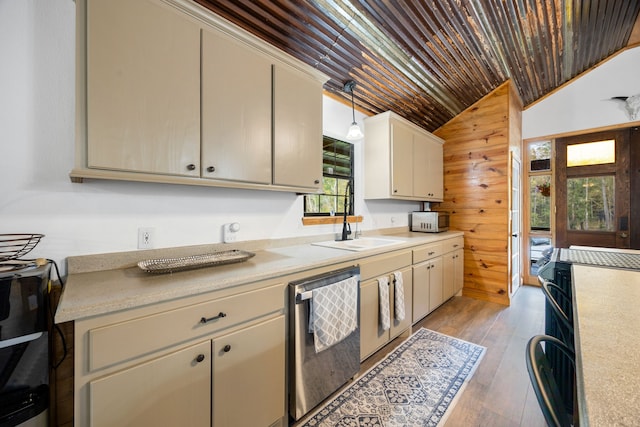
x=362, y=244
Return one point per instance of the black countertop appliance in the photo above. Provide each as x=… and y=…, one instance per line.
x=24, y=344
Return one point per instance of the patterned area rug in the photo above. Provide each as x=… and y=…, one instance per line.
x=415, y=385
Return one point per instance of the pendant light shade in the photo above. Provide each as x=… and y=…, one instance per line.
x=354, y=130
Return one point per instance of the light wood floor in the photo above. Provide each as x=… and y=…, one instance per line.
x=499, y=394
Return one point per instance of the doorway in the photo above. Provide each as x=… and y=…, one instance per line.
x=593, y=196
x=516, y=236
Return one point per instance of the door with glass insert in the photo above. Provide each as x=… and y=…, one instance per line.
x=592, y=190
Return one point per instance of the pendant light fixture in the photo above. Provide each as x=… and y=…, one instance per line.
x=354, y=130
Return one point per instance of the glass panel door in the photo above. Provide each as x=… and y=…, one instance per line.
x=592, y=190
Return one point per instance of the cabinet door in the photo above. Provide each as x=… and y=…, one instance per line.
x=448, y=275
x=458, y=282
x=236, y=111
x=398, y=327
x=372, y=337
x=401, y=160
x=143, y=88
x=435, y=171
x=436, y=295
x=297, y=144
x=171, y=390
x=421, y=173
x=420, y=290
x=248, y=376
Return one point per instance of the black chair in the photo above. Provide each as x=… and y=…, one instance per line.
x=555, y=409
x=561, y=306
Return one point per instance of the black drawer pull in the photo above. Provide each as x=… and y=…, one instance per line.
x=200, y=358
x=219, y=316
x=431, y=253
x=191, y=167
x=211, y=169
x=226, y=348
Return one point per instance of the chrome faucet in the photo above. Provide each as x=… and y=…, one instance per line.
x=346, y=227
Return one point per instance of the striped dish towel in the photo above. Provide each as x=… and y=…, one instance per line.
x=399, y=296
x=383, y=296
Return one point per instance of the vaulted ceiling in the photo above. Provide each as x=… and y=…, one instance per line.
x=429, y=60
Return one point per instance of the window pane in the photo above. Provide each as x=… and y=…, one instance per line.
x=540, y=202
x=327, y=204
x=590, y=203
x=336, y=157
x=337, y=170
x=540, y=155
x=591, y=153
x=312, y=203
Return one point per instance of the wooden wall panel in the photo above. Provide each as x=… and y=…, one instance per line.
x=477, y=188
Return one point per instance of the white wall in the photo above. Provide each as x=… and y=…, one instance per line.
x=586, y=102
x=37, y=119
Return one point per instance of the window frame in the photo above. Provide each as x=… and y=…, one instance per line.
x=329, y=172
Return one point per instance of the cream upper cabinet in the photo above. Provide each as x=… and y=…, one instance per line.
x=173, y=93
x=143, y=88
x=236, y=111
x=402, y=161
x=297, y=133
x=428, y=168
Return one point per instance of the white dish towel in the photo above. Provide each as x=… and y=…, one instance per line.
x=399, y=296
x=333, y=313
x=383, y=297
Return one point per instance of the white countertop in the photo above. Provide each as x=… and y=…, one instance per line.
x=606, y=309
x=98, y=292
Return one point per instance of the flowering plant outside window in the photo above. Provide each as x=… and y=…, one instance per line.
x=544, y=189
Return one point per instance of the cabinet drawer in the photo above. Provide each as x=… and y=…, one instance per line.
x=453, y=244
x=121, y=341
x=383, y=264
x=426, y=252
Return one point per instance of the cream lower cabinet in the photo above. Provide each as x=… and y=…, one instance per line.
x=453, y=262
x=248, y=376
x=437, y=274
x=174, y=389
x=164, y=365
x=372, y=336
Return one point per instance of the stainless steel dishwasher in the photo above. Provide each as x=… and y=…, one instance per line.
x=314, y=376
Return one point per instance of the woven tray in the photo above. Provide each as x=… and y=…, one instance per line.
x=170, y=265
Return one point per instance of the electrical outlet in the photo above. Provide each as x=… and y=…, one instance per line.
x=146, y=237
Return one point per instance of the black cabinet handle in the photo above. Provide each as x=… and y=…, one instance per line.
x=191, y=167
x=317, y=181
x=431, y=253
x=219, y=316
x=226, y=348
x=200, y=358
x=211, y=169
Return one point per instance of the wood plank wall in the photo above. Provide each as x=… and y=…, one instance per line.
x=477, y=188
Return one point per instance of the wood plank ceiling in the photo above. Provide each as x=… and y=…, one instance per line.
x=429, y=60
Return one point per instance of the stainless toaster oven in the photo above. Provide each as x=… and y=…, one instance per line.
x=429, y=222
